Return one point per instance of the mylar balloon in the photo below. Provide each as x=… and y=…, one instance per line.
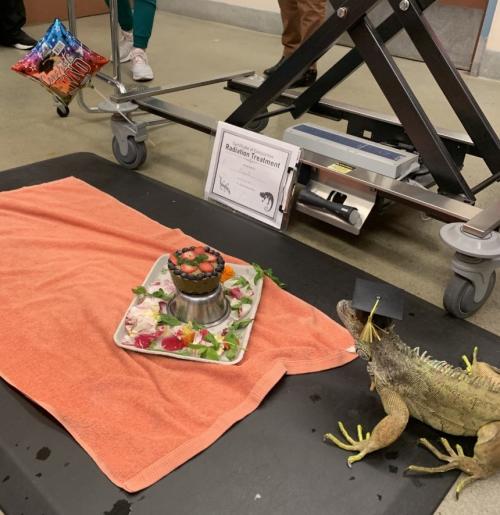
x=60, y=62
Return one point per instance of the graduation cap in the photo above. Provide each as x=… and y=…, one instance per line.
x=381, y=302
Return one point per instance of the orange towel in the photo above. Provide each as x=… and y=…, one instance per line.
x=70, y=256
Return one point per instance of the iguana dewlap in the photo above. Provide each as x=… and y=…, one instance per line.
x=449, y=399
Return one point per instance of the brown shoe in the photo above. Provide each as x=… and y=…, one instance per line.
x=308, y=79
x=273, y=68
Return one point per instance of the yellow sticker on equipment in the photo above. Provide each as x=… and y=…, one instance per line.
x=340, y=168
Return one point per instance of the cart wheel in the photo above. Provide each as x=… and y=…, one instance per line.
x=62, y=111
x=258, y=125
x=459, y=296
x=135, y=156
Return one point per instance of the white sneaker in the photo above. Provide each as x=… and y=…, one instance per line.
x=141, y=71
x=125, y=45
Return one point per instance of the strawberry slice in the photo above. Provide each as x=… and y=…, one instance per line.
x=189, y=255
x=189, y=269
x=211, y=258
x=173, y=259
x=172, y=343
x=206, y=267
x=199, y=250
x=143, y=341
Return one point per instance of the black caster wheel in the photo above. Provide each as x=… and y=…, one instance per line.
x=62, y=111
x=258, y=125
x=459, y=296
x=135, y=156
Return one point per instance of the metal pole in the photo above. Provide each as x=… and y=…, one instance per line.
x=115, y=50
x=72, y=16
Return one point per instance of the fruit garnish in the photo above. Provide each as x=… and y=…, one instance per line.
x=199, y=250
x=189, y=269
x=143, y=341
x=172, y=343
x=189, y=255
x=173, y=259
x=206, y=267
x=227, y=273
x=236, y=293
x=186, y=335
x=211, y=258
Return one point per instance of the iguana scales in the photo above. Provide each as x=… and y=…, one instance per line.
x=449, y=399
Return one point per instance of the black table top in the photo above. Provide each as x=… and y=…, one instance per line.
x=272, y=462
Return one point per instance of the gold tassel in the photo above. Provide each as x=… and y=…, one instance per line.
x=369, y=332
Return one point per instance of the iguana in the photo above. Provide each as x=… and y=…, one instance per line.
x=410, y=383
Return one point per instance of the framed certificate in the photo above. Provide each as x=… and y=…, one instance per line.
x=252, y=173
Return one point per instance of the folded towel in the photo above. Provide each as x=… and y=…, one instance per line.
x=70, y=256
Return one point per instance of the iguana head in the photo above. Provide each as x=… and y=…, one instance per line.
x=349, y=317
x=354, y=321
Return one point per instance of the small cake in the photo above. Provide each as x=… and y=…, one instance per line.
x=196, y=270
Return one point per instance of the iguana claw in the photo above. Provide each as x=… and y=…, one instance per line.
x=353, y=445
x=455, y=460
x=468, y=364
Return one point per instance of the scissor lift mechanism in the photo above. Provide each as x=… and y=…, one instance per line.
x=471, y=231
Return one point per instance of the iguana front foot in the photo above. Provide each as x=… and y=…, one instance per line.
x=386, y=432
x=361, y=445
x=455, y=460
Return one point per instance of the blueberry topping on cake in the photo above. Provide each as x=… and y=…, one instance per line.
x=196, y=270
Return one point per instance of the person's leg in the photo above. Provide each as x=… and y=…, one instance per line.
x=144, y=13
x=312, y=15
x=291, y=36
x=126, y=22
x=12, y=19
x=125, y=18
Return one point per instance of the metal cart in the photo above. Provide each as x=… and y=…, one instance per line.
x=130, y=133
x=471, y=232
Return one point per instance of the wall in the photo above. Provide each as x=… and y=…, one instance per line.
x=489, y=43
x=456, y=25
x=493, y=40
x=45, y=11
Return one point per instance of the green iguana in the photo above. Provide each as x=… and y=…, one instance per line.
x=449, y=399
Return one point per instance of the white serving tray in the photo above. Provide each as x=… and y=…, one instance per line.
x=160, y=270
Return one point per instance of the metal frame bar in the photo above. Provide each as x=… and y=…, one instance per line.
x=484, y=184
x=346, y=66
x=310, y=51
x=384, y=128
x=142, y=93
x=408, y=109
x=178, y=114
x=484, y=222
x=438, y=206
x=443, y=161
x=450, y=82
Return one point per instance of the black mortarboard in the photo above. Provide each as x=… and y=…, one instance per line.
x=391, y=301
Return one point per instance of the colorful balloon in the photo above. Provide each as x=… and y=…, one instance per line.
x=60, y=62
